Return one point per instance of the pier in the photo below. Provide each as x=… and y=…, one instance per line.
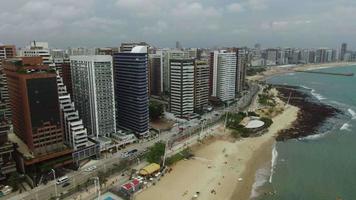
x=326, y=73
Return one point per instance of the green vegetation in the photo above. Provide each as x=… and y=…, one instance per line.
x=14, y=180
x=268, y=122
x=156, y=110
x=186, y=153
x=251, y=71
x=155, y=153
x=266, y=100
x=234, y=119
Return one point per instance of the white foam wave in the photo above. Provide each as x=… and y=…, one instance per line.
x=261, y=178
x=352, y=113
x=346, y=127
x=314, y=137
x=317, y=95
x=305, y=87
x=273, y=162
x=291, y=74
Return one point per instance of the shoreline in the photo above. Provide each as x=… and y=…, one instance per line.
x=222, y=169
x=280, y=70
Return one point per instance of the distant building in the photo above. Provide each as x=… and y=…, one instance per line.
x=271, y=57
x=201, y=85
x=81, y=51
x=93, y=93
x=131, y=90
x=181, y=87
x=106, y=51
x=155, y=63
x=126, y=47
x=223, y=75
x=34, y=104
x=37, y=49
x=343, y=51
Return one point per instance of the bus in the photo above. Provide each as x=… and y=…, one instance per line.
x=62, y=180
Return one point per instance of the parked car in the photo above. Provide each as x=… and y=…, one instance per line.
x=89, y=169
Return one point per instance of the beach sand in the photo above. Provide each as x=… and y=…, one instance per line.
x=218, y=165
x=278, y=70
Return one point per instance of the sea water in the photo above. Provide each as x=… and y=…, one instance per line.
x=322, y=166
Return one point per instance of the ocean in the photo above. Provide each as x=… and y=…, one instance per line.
x=321, y=166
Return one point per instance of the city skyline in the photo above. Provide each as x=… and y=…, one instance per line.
x=230, y=23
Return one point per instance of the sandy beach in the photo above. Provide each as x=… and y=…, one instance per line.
x=218, y=165
x=277, y=70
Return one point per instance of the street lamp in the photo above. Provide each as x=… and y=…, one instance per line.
x=55, y=184
x=97, y=186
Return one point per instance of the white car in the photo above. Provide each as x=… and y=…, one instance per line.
x=89, y=169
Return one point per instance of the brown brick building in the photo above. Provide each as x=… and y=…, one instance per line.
x=34, y=104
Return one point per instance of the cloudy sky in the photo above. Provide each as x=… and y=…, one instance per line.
x=195, y=23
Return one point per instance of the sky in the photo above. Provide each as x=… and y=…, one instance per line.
x=195, y=23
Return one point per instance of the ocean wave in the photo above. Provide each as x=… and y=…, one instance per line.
x=314, y=137
x=305, y=87
x=352, y=113
x=317, y=95
x=261, y=177
x=291, y=74
x=346, y=127
x=273, y=162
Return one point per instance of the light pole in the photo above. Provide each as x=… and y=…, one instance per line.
x=55, y=182
x=165, y=153
x=97, y=186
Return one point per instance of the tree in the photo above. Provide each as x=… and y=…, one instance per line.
x=155, y=153
x=156, y=110
x=14, y=181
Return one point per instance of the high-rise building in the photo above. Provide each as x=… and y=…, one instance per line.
x=75, y=133
x=34, y=104
x=106, y=51
x=223, y=75
x=271, y=57
x=343, y=51
x=241, y=66
x=93, y=93
x=155, y=74
x=131, y=90
x=182, y=87
x=167, y=56
x=6, y=52
x=201, y=85
x=37, y=49
x=7, y=164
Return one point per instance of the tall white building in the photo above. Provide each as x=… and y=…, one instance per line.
x=182, y=87
x=37, y=49
x=224, y=75
x=93, y=93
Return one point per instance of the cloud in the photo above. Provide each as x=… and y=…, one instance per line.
x=257, y=4
x=235, y=7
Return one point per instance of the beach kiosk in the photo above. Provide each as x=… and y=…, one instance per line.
x=150, y=169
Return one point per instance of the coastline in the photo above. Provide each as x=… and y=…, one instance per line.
x=223, y=169
x=279, y=70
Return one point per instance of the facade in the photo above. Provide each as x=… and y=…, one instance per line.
x=343, y=51
x=224, y=75
x=131, y=90
x=34, y=104
x=241, y=69
x=6, y=52
x=155, y=74
x=128, y=46
x=37, y=49
x=201, y=85
x=271, y=58
x=182, y=87
x=93, y=93
x=167, y=56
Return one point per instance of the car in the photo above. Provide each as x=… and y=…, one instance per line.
x=89, y=169
x=66, y=184
x=62, y=180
